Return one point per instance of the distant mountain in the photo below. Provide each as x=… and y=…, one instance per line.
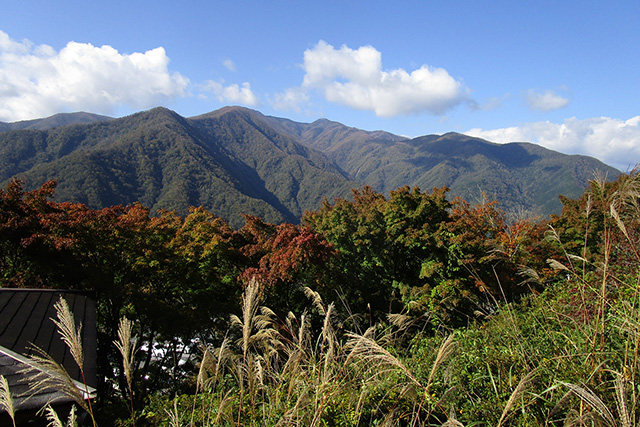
x=525, y=178
x=54, y=121
x=236, y=160
x=226, y=161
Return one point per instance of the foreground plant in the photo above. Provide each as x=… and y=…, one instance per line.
x=51, y=374
x=6, y=400
x=290, y=372
x=126, y=345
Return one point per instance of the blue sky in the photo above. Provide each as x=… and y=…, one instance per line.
x=563, y=74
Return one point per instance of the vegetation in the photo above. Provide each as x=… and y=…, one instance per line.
x=524, y=178
x=164, y=161
x=402, y=310
x=236, y=161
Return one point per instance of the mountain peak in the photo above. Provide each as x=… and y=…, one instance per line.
x=235, y=109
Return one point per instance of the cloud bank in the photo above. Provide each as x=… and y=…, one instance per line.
x=37, y=81
x=614, y=141
x=355, y=78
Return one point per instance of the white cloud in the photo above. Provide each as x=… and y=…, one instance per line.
x=233, y=93
x=290, y=100
x=614, y=141
x=229, y=65
x=37, y=81
x=354, y=77
x=545, y=101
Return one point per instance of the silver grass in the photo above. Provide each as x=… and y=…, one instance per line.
x=55, y=421
x=400, y=321
x=529, y=275
x=223, y=355
x=126, y=344
x=616, y=216
x=302, y=331
x=328, y=343
x=522, y=384
x=52, y=417
x=289, y=321
x=446, y=349
x=315, y=298
x=67, y=329
x=210, y=366
x=624, y=411
x=257, y=371
x=72, y=419
x=556, y=265
x=6, y=400
x=223, y=407
x=293, y=413
x=202, y=377
x=52, y=376
x=251, y=320
x=174, y=415
x=553, y=235
x=369, y=350
x=249, y=310
x=327, y=328
x=577, y=258
x=594, y=401
x=452, y=421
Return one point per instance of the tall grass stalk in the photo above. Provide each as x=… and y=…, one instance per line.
x=126, y=345
x=6, y=400
x=54, y=420
x=52, y=375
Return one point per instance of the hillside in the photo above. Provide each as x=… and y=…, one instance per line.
x=525, y=178
x=54, y=121
x=235, y=160
x=165, y=161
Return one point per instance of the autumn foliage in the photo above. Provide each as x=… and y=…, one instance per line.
x=181, y=277
x=415, y=251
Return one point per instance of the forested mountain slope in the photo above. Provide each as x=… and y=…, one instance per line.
x=236, y=160
x=523, y=177
x=54, y=121
x=165, y=161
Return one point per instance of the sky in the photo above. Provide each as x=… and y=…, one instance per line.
x=562, y=74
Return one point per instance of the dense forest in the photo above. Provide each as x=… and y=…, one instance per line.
x=402, y=309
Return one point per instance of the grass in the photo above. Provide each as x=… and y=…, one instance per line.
x=539, y=362
x=6, y=400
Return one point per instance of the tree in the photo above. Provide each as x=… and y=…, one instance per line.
x=283, y=258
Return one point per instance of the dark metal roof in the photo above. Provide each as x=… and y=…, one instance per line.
x=26, y=321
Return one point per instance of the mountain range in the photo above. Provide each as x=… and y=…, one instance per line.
x=236, y=160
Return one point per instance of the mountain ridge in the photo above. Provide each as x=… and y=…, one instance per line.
x=237, y=160
x=166, y=161
x=56, y=120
